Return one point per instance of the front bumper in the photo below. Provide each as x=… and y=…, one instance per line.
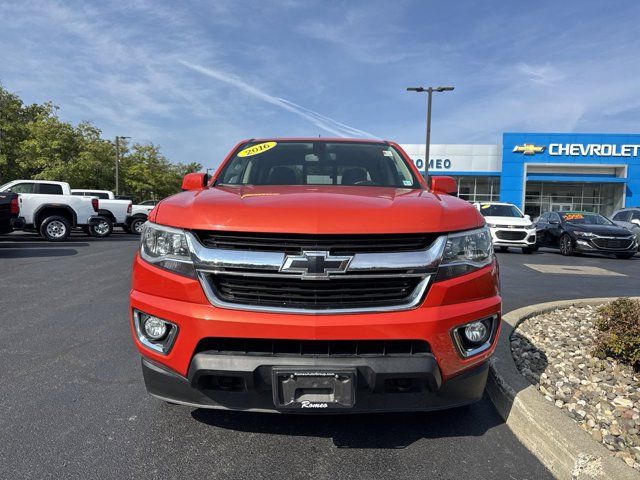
x=589, y=245
x=513, y=237
x=448, y=304
x=374, y=393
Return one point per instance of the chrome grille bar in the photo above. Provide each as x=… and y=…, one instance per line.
x=213, y=263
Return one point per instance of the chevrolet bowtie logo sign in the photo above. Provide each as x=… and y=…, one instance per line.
x=528, y=149
x=315, y=265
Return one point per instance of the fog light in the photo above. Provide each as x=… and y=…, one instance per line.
x=476, y=337
x=476, y=332
x=153, y=332
x=154, y=328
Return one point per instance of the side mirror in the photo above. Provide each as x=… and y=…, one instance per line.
x=636, y=222
x=528, y=217
x=195, y=181
x=446, y=185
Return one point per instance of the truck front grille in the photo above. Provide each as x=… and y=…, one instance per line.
x=316, y=274
x=334, y=244
x=336, y=293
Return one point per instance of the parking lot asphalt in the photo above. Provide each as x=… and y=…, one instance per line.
x=74, y=405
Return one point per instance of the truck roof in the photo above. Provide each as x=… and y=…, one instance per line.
x=317, y=139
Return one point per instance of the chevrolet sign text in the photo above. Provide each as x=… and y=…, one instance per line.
x=593, y=150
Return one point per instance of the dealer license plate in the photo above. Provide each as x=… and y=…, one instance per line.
x=311, y=390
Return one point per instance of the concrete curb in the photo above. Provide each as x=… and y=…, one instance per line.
x=559, y=443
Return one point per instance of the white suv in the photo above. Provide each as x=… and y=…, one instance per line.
x=509, y=226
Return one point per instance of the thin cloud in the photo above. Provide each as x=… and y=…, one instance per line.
x=321, y=121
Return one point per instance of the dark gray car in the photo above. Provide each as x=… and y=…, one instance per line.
x=628, y=218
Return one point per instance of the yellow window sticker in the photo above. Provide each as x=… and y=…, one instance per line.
x=485, y=206
x=257, y=149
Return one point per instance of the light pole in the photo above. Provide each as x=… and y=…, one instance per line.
x=118, y=138
x=430, y=91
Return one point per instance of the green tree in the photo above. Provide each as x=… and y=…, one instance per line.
x=14, y=120
x=146, y=173
x=35, y=143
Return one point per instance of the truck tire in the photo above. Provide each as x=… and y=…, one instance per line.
x=55, y=228
x=136, y=225
x=101, y=229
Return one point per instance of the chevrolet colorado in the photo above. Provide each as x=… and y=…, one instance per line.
x=314, y=275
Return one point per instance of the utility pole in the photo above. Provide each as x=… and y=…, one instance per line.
x=118, y=138
x=429, y=91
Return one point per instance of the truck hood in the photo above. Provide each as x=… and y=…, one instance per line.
x=508, y=221
x=317, y=210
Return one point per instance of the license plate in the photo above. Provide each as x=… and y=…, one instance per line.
x=313, y=389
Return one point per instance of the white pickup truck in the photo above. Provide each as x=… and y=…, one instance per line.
x=50, y=209
x=138, y=216
x=114, y=212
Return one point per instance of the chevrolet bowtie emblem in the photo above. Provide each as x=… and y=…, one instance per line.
x=528, y=149
x=315, y=265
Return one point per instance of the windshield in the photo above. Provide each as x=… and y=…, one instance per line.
x=318, y=163
x=489, y=210
x=585, y=219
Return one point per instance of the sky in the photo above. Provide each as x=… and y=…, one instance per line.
x=196, y=77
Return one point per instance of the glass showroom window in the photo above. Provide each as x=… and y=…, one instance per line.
x=479, y=189
x=544, y=197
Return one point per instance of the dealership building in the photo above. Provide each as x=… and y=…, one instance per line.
x=542, y=172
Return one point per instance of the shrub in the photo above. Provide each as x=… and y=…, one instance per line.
x=619, y=321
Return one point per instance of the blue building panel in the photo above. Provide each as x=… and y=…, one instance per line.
x=569, y=149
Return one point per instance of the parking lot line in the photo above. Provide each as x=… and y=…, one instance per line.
x=573, y=270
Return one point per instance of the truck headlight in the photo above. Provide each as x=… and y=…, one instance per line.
x=166, y=247
x=465, y=252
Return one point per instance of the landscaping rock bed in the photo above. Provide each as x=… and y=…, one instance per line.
x=554, y=351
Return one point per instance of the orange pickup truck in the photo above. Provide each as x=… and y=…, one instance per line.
x=315, y=275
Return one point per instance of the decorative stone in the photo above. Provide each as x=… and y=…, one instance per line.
x=554, y=351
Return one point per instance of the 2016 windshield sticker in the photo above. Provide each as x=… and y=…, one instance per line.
x=387, y=153
x=407, y=183
x=256, y=149
x=573, y=216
